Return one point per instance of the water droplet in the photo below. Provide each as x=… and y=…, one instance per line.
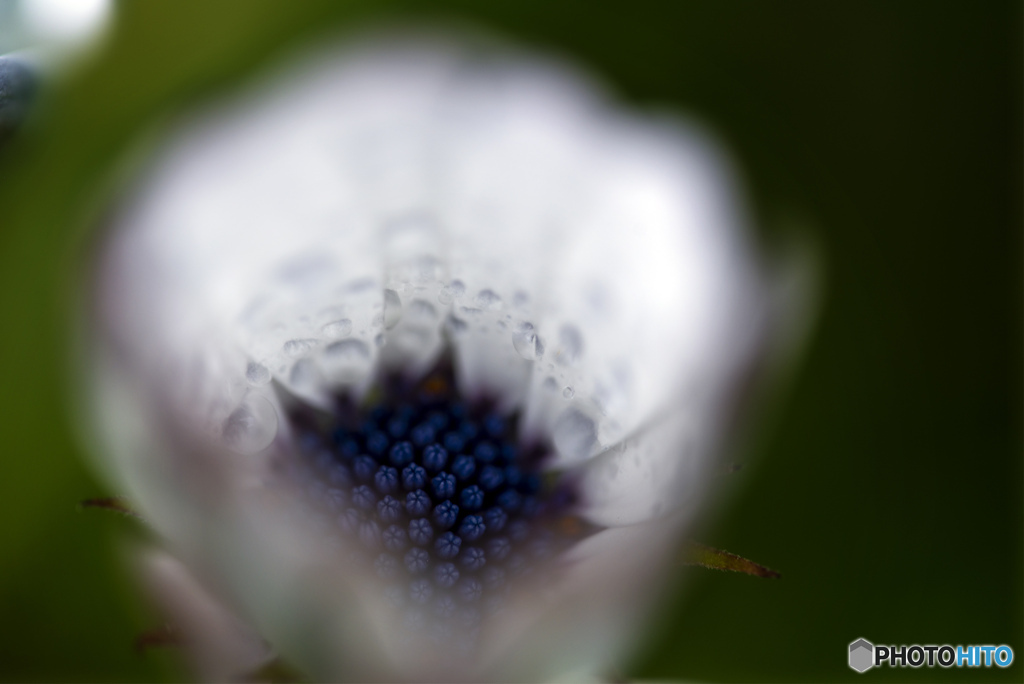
x=412, y=338
x=570, y=345
x=347, y=351
x=257, y=374
x=568, y=393
x=392, y=309
x=361, y=285
x=488, y=300
x=297, y=348
x=422, y=311
x=379, y=340
x=252, y=426
x=527, y=343
x=574, y=435
x=455, y=326
x=337, y=329
x=304, y=374
x=449, y=293
x=550, y=384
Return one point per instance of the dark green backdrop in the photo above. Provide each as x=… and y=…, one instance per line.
x=886, y=485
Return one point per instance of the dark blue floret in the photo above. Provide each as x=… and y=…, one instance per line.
x=377, y=442
x=418, y=503
x=423, y=434
x=417, y=560
x=397, y=427
x=364, y=497
x=446, y=575
x=420, y=531
x=464, y=467
x=468, y=429
x=472, y=528
x=510, y=500
x=437, y=419
x=492, y=477
x=472, y=498
x=395, y=538
x=421, y=590
x=447, y=545
x=495, y=519
x=454, y=442
x=348, y=448
x=486, y=452
x=473, y=558
x=386, y=480
x=443, y=486
x=498, y=548
x=470, y=589
x=402, y=454
x=435, y=457
x=365, y=467
x=445, y=514
x=389, y=509
x=414, y=476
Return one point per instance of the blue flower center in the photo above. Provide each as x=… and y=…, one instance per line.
x=437, y=498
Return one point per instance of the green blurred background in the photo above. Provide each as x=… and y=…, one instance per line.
x=886, y=483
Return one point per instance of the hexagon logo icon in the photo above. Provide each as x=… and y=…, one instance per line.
x=862, y=655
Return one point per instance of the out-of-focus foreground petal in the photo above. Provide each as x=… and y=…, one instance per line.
x=365, y=214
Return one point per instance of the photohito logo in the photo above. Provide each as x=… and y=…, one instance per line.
x=864, y=655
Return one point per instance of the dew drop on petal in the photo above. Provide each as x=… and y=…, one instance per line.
x=257, y=374
x=574, y=435
x=568, y=393
x=412, y=338
x=347, y=351
x=526, y=342
x=252, y=426
x=570, y=345
x=304, y=374
x=550, y=384
x=392, y=309
x=422, y=311
x=488, y=300
x=337, y=329
x=298, y=347
x=455, y=326
x=449, y=293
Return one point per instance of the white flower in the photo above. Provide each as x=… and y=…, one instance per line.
x=588, y=267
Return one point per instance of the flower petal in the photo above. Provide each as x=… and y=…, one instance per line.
x=584, y=264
